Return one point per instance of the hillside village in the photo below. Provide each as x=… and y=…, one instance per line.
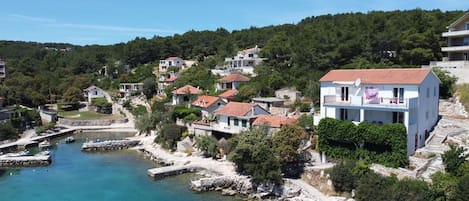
x=396, y=122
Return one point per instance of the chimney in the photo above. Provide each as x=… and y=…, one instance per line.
x=206, y=93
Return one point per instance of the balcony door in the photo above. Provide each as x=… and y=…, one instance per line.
x=398, y=95
x=344, y=93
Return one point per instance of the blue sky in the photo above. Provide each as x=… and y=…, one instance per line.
x=105, y=22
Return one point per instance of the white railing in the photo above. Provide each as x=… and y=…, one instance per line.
x=390, y=102
x=455, y=33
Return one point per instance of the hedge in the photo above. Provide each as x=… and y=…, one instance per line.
x=385, y=144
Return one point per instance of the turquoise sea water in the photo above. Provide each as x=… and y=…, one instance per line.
x=78, y=176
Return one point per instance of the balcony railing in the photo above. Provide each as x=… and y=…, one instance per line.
x=382, y=102
x=455, y=48
x=456, y=33
x=217, y=127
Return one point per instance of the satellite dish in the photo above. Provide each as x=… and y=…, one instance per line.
x=357, y=82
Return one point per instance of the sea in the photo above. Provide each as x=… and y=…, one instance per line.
x=105, y=176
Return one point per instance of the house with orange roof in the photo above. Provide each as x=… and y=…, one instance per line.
x=185, y=93
x=228, y=95
x=233, y=118
x=208, y=104
x=406, y=96
x=231, y=81
x=273, y=123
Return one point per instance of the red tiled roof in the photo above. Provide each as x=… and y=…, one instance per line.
x=171, y=79
x=228, y=94
x=273, y=121
x=378, y=76
x=235, y=109
x=234, y=78
x=188, y=89
x=205, y=101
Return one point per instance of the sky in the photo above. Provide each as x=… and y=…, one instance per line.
x=104, y=22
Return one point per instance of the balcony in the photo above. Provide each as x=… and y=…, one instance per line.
x=455, y=48
x=456, y=33
x=380, y=102
x=217, y=127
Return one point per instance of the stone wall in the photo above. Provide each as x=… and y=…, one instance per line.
x=97, y=122
x=27, y=162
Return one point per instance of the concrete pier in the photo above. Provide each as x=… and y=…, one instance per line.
x=23, y=143
x=161, y=172
x=25, y=161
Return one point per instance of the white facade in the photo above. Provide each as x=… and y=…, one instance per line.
x=3, y=70
x=93, y=92
x=414, y=105
x=244, y=61
x=126, y=89
x=170, y=62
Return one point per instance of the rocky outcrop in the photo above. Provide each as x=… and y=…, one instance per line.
x=109, y=145
x=231, y=185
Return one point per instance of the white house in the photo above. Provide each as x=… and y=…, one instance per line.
x=170, y=62
x=93, y=92
x=288, y=94
x=3, y=70
x=233, y=118
x=457, y=51
x=126, y=89
x=407, y=96
x=244, y=61
x=231, y=81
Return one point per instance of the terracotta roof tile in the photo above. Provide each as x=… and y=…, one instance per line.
x=229, y=93
x=172, y=58
x=273, y=121
x=205, y=101
x=235, y=109
x=378, y=76
x=234, y=78
x=188, y=89
x=171, y=79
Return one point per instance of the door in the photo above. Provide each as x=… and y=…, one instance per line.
x=344, y=93
x=398, y=95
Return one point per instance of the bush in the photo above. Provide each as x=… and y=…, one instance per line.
x=384, y=144
x=180, y=112
x=342, y=177
x=453, y=159
x=7, y=131
x=139, y=110
x=169, y=135
x=208, y=144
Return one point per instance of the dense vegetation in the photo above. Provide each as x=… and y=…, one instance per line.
x=385, y=144
x=298, y=54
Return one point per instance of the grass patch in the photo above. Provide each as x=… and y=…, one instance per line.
x=463, y=93
x=86, y=115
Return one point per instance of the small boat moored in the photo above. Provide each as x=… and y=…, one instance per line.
x=69, y=139
x=44, y=144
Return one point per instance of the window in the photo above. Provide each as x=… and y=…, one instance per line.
x=466, y=41
x=434, y=91
x=236, y=122
x=428, y=92
x=398, y=117
x=244, y=123
x=467, y=26
x=229, y=123
x=426, y=114
x=250, y=55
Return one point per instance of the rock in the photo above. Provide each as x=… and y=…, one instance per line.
x=228, y=192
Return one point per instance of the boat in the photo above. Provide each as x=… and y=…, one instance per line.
x=69, y=139
x=44, y=144
x=43, y=153
x=17, y=154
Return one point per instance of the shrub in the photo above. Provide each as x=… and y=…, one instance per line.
x=342, y=177
x=169, y=135
x=453, y=159
x=181, y=112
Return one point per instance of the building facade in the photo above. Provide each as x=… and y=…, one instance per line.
x=170, y=62
x=406, y=96
x=232, y=81
x=3, y=69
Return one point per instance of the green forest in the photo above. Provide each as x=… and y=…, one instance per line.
x=298, y=54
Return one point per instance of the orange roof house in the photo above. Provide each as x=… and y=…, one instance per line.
x=185, y=93
x=378, y=76
x=231, y=81
x=208, y=104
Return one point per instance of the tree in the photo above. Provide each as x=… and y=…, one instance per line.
x=444, y=186
x=286, y=143
x=7, y=131
x=254, y=155
x=462, y=190
x=149, y=87
x=208, y=144
x=169, y=135
x=342, y=177
x=72, y=96
x=144, y=123
x=453, y=159
x=448, y=81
